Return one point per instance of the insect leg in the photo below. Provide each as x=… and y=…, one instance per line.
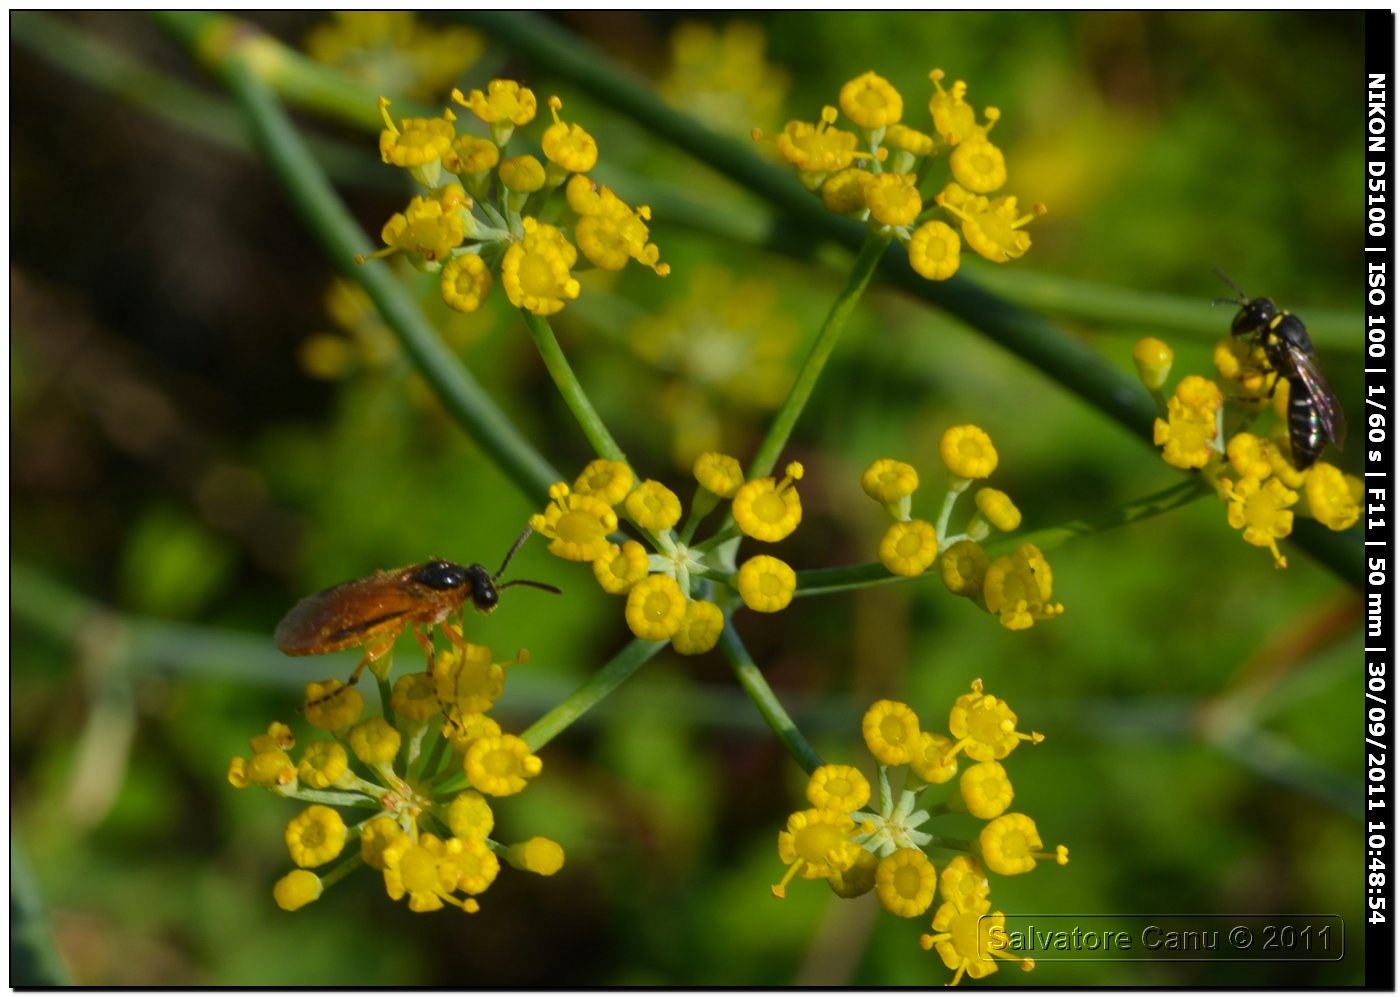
x=373, y=650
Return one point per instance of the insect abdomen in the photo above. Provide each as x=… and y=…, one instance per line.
x=1305, y=432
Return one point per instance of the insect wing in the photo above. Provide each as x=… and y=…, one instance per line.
x=1329, y=410
x=349, y=614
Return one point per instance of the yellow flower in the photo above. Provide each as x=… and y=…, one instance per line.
x=893, y=199
x=414, y=697
x=463, y=729
x=1241, y=359
x=967, y=941
x=984, y=726
x=986, y=790
x=332, y=705
x=470, y=816
x=297, y=889
x=1010, y=845
x=375, y=837
x=935, y=251
x=816, y=844
x=521, y=174
x=978, y=166
x=905, y=881
x=505, y=101
x=610, y=480
x=1017, y=588
x=323, y=764
x=871, y=102
x=908, y=548
x=536, y=270
x=500, y=765
x=1249, y=456
x=720, y=76
x=858, y=880
x=891, y=731
x=887, y=480
x=993, y=228
x=1262, y=512
x=315, y=836
x=541, y=856
x=416, y=141
x=1199, y=395
x=1281, y=459
x=609, y=231
x=766, y=584
x=932, y=760
x=472, y=155
x=767, y=509
x=467, y=681
x=700, y=629
x=719, y=473
x=1154, y=362
x=577, y=524
x=374, y=741
x=843, y=193
x=902, y=138
x=655, y=608
x=968, y=451
x=270, y=765
x=423, y=229
x=817, y=148
x=653, y=506
x=838, y=787
x=426, y=871
x=1334, y=498
x=953, y=119
x=1000, y=511
x=619, y=568
x=568, y=146
x=477, y=867
x=963, y=883
x=1187, y=440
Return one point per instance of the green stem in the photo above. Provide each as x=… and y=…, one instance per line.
x=762, y=695
x=603, y=682
x=786, y=417
x=827, y=581
x=301, y=81
x=568, y=384
x=341, y=238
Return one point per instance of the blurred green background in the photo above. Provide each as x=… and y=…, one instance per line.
x=198, y=439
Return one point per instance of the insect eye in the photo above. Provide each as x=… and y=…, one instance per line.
x=484, y=594
x=441, y=575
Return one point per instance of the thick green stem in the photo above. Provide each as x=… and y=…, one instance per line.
x=588, y=695
x=341, y=238
x=568, y=384
x=758, y=689
x=786, y=417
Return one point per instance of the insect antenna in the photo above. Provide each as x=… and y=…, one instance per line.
x=496, y=578
x=1243, y=298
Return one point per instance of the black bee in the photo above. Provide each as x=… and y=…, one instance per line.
x=1314, y=414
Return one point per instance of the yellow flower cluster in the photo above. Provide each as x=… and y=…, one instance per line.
x=666, y=590
x=392, y=50
x=1203, y=428
x=480, y=215
x=424, y=768
x=874, y=174
x=1016, y=588
x=858, y=847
